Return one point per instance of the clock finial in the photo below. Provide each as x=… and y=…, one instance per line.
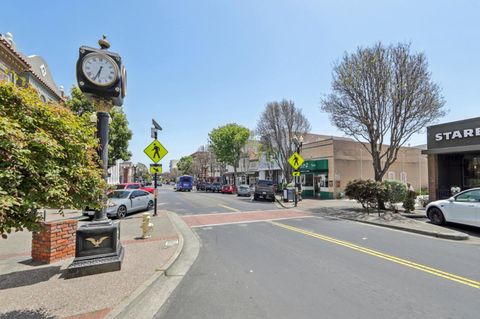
x=104, y=44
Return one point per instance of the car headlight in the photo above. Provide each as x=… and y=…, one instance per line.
x=111, y=204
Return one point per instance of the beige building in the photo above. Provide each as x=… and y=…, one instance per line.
x=331, y=162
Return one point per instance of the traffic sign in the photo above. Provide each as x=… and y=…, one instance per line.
x=155, y=151
x=156, y=168
x=296, y=173
x=296, y=161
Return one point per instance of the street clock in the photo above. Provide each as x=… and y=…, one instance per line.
x=101, y=73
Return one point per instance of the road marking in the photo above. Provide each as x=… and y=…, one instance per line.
x=405, y=262
x=228, y=207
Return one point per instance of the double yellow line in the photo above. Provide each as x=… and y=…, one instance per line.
x=408, y=263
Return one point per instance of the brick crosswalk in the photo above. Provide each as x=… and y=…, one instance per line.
x=241, y=217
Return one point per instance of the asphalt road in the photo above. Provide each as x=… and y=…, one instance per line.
x=325, y=268
x=187, y=203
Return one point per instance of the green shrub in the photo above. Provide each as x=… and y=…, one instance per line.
x=396, y=192
x=409, y=201
x=366, y=192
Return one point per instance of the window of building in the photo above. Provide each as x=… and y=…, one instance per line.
x=391, y=175
x=471, y=170
x=308, y=180
x=403, y=176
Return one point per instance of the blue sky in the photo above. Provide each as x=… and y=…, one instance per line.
x=196, y=65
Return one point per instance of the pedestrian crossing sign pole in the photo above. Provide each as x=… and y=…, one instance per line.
x=155, y=151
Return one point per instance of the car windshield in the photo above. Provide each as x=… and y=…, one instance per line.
x=118, y=194
x=265, y=183
x=120, y=186
x=244, y=187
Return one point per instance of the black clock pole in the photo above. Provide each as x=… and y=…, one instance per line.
x=102, y=134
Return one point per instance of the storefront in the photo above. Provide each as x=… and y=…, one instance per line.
x=453, y=157
x=314, y=179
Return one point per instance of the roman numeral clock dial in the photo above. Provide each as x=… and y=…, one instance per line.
x=100, y=69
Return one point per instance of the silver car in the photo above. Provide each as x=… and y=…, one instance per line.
x=244, y=190
x=126, y=201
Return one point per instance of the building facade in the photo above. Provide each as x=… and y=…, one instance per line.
x=332, y=162
x=25, y=70
x=453, y=151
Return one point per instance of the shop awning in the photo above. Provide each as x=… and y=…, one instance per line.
x=455, y=149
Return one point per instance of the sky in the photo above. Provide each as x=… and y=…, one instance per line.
x=196, y=65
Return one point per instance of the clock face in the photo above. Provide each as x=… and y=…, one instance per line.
x=100, y=69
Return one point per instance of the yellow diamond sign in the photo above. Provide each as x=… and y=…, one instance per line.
x=295, y=160
x=155, y=151
x=156, y=168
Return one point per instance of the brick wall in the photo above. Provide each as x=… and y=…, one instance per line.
x=54, y=241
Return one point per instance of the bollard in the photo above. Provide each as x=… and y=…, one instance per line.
x=146, y=226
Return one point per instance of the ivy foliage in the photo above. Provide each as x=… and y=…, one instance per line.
x=48, y=158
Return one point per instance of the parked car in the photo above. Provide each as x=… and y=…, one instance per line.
x=264, y=189
x=125, y=201
x=244, y=190
x=134, y=186
x=216, y=187
x=229, y=189
x=201, y=186
x=463, y=208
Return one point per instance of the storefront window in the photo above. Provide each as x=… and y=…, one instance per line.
x=308, y=180
x=471, y=170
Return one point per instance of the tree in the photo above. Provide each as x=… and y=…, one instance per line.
x=119, y=134
x=142, y=173
x=185, y=165
x=278, y=124
x=48, y=158
x=383, y=95
x=227, y=142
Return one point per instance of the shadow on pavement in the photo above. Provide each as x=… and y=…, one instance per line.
x=27, y=277
x=27, y=314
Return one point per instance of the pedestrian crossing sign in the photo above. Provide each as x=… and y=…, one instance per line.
x=296, y=161
x=156, y=168
x=155, y=151
x=296, y=173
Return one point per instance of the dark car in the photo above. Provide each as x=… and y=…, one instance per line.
x=216, y=187
x=229, y=189
x=201, y=186
x=208, y=187
x=264, y=189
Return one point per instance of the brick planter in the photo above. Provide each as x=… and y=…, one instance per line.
x=54, y=241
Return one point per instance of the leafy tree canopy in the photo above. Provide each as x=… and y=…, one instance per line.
x=48, y=159
x=227, y=142
x=119, y=134
x=185, y=165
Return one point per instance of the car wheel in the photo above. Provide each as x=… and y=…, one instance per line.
x=121, y=212
x=436, y=216
x=150, y=205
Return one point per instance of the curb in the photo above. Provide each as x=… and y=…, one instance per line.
x=458, y=236
x=149, y=298
x=126, y=303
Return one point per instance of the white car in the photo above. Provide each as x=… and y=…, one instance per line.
x=463, y=208
x=126, y=201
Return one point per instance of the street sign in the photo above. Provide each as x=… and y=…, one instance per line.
x=156, y=168
x=155, y=151
x=295, y=160
x=296, y=173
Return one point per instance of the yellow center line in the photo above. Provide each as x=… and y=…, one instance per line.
x=228, y=207
x=408, y=263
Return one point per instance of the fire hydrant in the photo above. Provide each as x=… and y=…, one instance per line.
x=146, y=226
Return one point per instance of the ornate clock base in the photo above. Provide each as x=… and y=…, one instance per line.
x=98, y=249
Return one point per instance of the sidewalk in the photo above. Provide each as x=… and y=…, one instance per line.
x=351, y=210
x=29, y=290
